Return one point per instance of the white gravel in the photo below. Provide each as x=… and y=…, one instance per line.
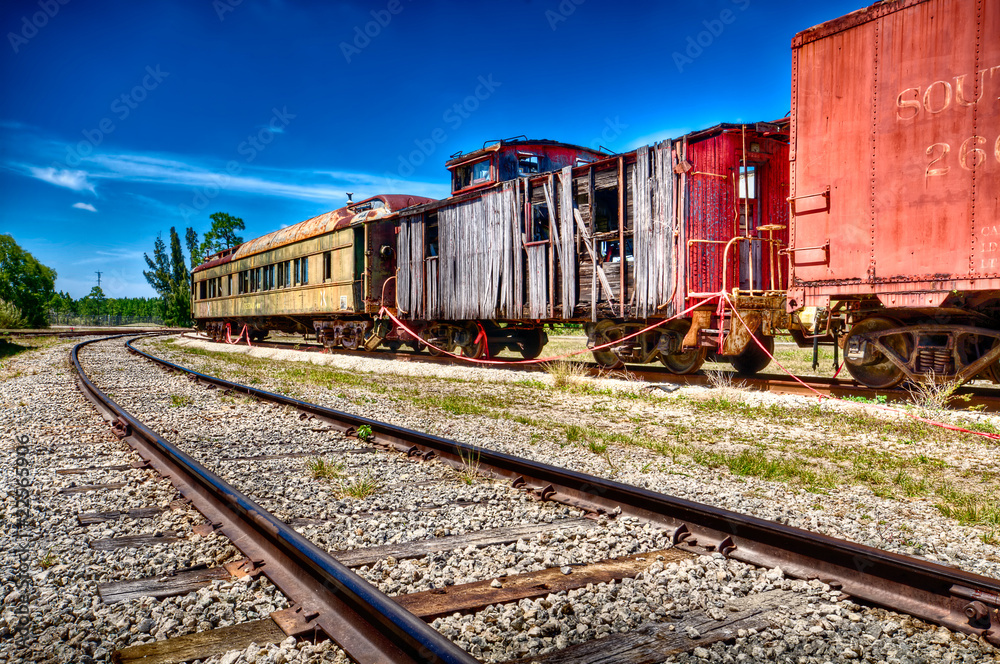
x=418, y=501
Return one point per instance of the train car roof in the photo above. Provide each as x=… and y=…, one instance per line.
x=368, y=209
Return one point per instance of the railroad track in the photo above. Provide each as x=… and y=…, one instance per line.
x=939, y=594
x=986, y=399
x=66, y=333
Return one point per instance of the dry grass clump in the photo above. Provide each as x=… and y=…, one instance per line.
x=566, y=373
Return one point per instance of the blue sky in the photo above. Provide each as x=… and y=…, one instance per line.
x=120, y=120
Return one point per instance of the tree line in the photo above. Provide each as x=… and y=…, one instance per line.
x=28, y=298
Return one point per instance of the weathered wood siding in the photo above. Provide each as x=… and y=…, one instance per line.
x=653, y=202
x=410, y=267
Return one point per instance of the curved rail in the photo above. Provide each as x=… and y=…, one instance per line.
x=329, y=597
x=959, y=600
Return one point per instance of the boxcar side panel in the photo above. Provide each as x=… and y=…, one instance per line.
x=832, y=113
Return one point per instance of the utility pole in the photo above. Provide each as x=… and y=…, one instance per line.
x=98, y=279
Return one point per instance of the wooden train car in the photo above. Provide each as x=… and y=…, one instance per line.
x=895, y=165
x=612, y=241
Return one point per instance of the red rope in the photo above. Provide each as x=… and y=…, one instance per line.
x=890, y=409
x=409, y=331
x=229, y=336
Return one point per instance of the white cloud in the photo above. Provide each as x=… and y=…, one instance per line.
x=75, y=180
x=84, y=206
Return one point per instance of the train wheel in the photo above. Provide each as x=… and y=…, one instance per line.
x=753, y=359
x=606, y=331
x=876, y=370
x=394, y=346
x=477, y=348
x=531, y=343
x=350, y=341
x=687, y=362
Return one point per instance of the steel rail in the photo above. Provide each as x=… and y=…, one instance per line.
x=959, y=600
x=971, y=396
x=328, y=596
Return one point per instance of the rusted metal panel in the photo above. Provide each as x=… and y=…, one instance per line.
x=910, y=90
x=330, y=221
x=717, y=257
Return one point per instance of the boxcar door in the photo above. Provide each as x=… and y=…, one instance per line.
x=751, y=272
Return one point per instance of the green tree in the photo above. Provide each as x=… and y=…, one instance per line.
x=95, y=303
x=194, y=250
x=169, y=276
x=25, y=284
x=222, y=234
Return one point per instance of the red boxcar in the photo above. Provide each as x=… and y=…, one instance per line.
x=895, y=178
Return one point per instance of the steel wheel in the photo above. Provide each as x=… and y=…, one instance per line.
x=477, y=348
x=877, y=371
x=530, y=343
x=687, y=362
x=351, y=341
x=753, y=359
x=606, y=331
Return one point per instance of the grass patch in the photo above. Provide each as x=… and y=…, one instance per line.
x=48, y=560
x=753, y=462
x=969, y=509
x=359, y=487
x=470, y=467
x=326, y=470
x=566, y=374
x=179, y=400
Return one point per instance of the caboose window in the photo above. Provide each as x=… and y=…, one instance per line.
x=481, y=171
x=527, y=163
x=467, y=175
x=539, y=222
x=748, y=182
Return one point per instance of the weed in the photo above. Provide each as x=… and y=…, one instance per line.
x=360, y=487
x=575, y=433
x=321, y=469
x=597, y=447
x=935, y=395
x=878, y=399
x=178, y=400
x=48, y=560
x=967, y=508
x=365, y=433
x=532, y=383
x=566, y=373
x=470, y=467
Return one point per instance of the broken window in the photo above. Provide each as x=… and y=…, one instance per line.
x=748, y=182
x=527, y=164
x=431, y=235
x=539, y=222
x=468, y=175
x=202, y=290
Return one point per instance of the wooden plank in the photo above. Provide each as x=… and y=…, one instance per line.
x=69, y=490
x=134, y=541
x=90, y=518
x=469, y=597
x=202, y=645
x=652, y=642
x=593, y=257
x=90, y=469
x=492, y=537
x=178, y=582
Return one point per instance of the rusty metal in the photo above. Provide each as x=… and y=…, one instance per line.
x=912, y=173
x=330, y=598
x=920, y=588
